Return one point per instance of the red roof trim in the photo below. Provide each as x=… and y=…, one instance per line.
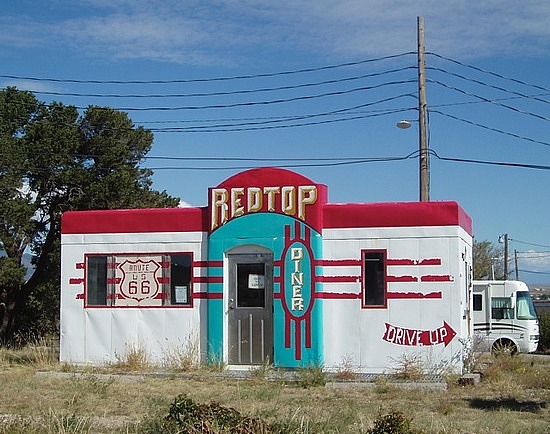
x=135, y=221
x=400, y=214
x=195, y=219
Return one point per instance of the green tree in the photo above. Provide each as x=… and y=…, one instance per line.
x=487, y=262
x=54, y=159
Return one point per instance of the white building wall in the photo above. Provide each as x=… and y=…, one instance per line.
x=106, y=334
x=354, y=335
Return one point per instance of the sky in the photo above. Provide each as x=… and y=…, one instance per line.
x=317, y=87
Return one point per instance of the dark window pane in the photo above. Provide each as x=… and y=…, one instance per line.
x=180, y=279
x=96, y=283
x=478, y=302
x=374, y=279
x=251, y=285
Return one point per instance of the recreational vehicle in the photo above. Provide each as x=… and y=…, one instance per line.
x=504, y=316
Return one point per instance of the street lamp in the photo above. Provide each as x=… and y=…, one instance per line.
x=424, y=158
x=404, y=124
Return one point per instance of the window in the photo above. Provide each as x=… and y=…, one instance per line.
x=478, y=302
x=525, y=306
x=96, y=282
x=138, y=280
x=251, y=285
x=374, y=278
x=501, y=308
x=180, y=279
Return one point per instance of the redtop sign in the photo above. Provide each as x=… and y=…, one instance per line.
x=266, y=190
x=227, y=204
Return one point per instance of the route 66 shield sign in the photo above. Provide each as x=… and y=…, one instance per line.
x=139, y=279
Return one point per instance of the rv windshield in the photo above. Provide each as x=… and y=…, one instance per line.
x=525, y=306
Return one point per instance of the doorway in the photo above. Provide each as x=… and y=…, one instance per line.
x=250, y=313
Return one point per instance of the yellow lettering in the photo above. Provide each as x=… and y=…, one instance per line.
x=297, y=278
x=236, y=205
x=296, y=254
x=288, y=200
x=219, y=207
x=307, y=195
x=271, y=192
x=254, y=199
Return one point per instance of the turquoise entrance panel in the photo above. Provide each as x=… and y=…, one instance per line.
x=297, y=321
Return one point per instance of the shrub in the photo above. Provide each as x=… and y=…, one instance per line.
x=311, y=376
x=186, y=415
x=407, y=367
x=544, y=325
x=392, y=423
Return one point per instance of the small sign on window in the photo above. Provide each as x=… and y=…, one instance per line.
x=181, y=294
x=256, y=281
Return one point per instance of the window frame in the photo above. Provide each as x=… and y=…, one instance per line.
x=477, y=300
x=506, y=310
x=164, y=278
x=383, y=255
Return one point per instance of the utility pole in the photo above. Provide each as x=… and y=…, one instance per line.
x=500, y=239
x=424, y=158
x=516, y=262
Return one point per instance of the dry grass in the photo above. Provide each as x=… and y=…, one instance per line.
x=513, y=397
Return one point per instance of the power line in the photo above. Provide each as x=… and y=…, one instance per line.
x=255, y=126
x=335, y=112
x=475, y=68
x=532, y=255
x=491, y=163
x=226, y=93
x=534, y=272
x=203, y=80
x=265, y=102
x=523, y=112
x=529, y=244
x=496, y=130
x=510, y=98
x=492, y=86
x=345, y=162
x=302, y=120
x=351, y=110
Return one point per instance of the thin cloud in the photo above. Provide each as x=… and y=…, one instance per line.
x=535, y=261
x=197, y=32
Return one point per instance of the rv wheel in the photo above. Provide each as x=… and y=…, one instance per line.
x=504, y=347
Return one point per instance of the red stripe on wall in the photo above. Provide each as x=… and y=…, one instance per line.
x=208, y=295
x=430, y=278
x=409, y=279
x=401, y=262
x=339, y=262
x=76, y=281
x=208, y=279
x=412, y=262
x=208, y=264
x=392, y=262
x=431, y=261
x=413, y=295
x=337, y=295
x=338, y=279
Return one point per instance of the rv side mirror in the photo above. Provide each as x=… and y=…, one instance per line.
x=513, y=301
